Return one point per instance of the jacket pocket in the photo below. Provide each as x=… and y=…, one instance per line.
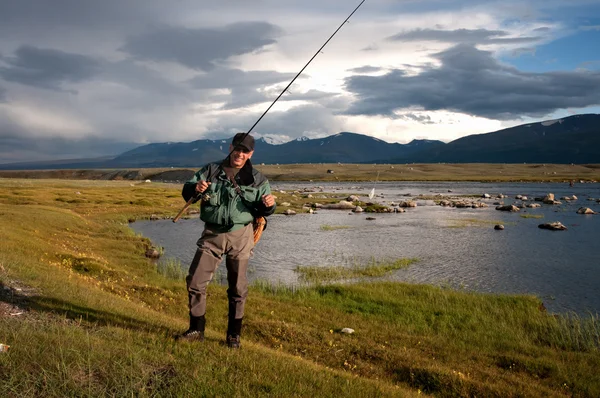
x=250, y=194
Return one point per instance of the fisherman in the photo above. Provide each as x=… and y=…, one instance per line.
x=233, y=195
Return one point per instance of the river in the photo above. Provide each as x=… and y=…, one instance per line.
x=458, y=248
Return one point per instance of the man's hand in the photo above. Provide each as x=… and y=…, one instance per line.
x=201, y=186
x=268, y=200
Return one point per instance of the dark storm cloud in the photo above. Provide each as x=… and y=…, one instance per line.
x=466, y=36
x=471, y=81
x=201, y=48
x=47, y=68
x=2, y=94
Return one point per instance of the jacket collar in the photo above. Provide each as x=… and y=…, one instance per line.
x=245, y=175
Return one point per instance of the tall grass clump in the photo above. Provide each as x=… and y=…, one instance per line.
x=171, y=268
x=572, y=332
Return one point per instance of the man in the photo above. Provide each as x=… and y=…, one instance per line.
x=233, y=194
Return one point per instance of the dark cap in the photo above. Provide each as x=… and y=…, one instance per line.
x=243, y=140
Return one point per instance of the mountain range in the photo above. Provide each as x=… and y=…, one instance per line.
x=574, y=139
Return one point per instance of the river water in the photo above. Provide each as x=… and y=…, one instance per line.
x=458, y=248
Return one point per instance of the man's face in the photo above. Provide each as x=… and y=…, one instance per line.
x=239, y=156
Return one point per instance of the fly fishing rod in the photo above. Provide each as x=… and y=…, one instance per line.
x=194, y=198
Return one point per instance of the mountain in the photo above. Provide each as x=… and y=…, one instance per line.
x=574, y=139
x=343, y=147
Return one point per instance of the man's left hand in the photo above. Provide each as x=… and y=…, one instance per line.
x=268, y=200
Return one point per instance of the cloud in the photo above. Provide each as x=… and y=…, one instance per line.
x=467, y=36
x=472, y=81
x=517, y=52
x=370, y=47
x=366, y=69
x=201, y=48
x=415, y=117
x=248, y=88
x=17, y=145
x=236, y=78
x=308, y=120
x=2, y=94
x=47, y=68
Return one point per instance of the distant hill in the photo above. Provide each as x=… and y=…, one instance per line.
x=343, y=147
x=574, y=139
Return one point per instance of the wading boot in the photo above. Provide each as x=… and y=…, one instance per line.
x=233, y=341
x=196, y=330
x=234, y=329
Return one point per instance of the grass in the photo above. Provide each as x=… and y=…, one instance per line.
x=362, y=172
x=171, y=269
x=374, y=268
x=99, y=319
x=531, y=215
x=327, y=227
x=473, y=222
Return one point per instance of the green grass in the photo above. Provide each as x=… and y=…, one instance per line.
x=99, y=319
x=531, y=215
x=374, y=268
x=171, y=269
x=362, y=172
x=473, y=222
x=327, y=227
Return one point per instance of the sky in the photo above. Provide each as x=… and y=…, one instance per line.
x=84, y=79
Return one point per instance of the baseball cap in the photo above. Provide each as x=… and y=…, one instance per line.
x=243, y=140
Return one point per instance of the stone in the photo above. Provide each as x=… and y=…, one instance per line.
x=549, y=199
x=498, y=227
x=152, y=253
x=585, y=210
x=512, y=208
x=408, y=203
x=553, y=226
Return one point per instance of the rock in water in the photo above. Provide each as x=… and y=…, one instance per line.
x=553, y=226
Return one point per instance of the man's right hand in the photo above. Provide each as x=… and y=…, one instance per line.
x=201, y=186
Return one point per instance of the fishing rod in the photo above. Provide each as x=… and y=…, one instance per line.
x=193, y=198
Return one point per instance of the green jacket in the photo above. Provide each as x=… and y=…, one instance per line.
x=222, y=207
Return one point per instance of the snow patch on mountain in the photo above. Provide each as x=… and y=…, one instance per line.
x=551, y=122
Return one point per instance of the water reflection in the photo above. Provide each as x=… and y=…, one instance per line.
x=457, y=247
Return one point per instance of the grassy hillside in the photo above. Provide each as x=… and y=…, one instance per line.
x=86, y=313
